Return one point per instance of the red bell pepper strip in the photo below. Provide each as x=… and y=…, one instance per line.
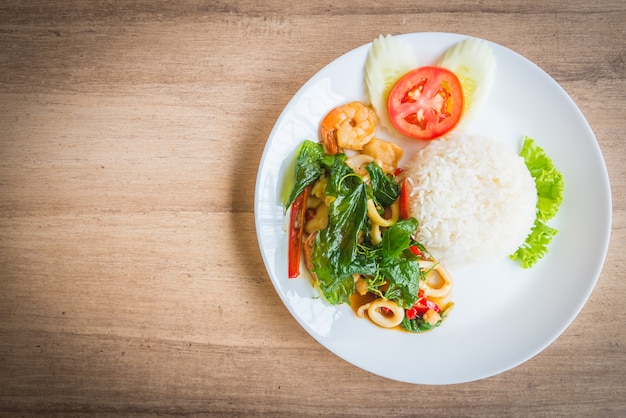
x=296, y=227
x=403, y=199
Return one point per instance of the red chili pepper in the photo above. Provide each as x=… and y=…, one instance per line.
x=415, y=250
x=403, y=199
x=296, y=226
x=421, y=307
x=433, y=305
x=410, y=313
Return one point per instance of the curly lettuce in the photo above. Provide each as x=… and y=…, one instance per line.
x=548, y=180
x=550, y=189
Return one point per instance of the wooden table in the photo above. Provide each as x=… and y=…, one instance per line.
x=131, y=281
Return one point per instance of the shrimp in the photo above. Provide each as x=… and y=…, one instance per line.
x=348, y=126
x=387, y=154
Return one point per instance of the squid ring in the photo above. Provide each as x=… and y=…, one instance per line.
x=375, y=216
x=392, y=316
x=436, y=287
x=362, y=309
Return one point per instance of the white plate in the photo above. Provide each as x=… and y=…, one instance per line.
x=504, y=315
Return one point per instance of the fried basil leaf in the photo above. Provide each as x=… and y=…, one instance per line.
x=384, y=187
x=308, y=168
x=336, y=247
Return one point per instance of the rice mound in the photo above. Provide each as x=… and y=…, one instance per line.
x=474, y=198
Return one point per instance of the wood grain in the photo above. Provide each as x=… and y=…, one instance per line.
x=131, y=282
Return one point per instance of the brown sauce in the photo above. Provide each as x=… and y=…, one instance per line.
x=357, y=300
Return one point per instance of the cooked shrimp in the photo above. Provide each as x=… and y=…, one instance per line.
x=387, y=154
x=349, y=126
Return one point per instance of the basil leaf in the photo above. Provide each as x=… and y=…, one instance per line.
x=336, y=290
x=403, y=274
x=337, y=252
x=398, y=237
x=366, y=261
x=342, y=177
x=399, y=267
x=336, y=247
x=417, y=324
x=308, y=168
x=384, y=187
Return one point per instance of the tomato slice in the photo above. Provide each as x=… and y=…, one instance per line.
x=426, y=103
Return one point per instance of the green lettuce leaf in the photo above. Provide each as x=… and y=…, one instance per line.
x=536, y=245
x=548, y=180
x=550, y=189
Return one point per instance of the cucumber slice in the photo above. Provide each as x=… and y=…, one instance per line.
x=474, y=63
x=388, y=59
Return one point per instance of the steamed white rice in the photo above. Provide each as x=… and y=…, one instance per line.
x=474, y=198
